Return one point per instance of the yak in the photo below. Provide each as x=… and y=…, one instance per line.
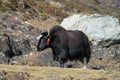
x=66, y=45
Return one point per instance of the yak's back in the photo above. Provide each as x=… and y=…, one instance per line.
x=57, y=29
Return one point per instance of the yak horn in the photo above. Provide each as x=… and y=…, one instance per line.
x=48, y=33
x=39, y=37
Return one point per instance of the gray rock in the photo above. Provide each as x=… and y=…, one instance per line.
x=100, y=29
x=13, y=40
x=46, y=59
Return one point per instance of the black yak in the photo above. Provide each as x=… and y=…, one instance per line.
x=66, y=45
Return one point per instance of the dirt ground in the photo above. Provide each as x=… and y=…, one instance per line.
x=16, y=72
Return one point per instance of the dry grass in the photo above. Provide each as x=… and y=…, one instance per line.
x=59, y=9
x=54, y=73
x=46, y=24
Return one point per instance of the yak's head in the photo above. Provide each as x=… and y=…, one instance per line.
x=44, y=41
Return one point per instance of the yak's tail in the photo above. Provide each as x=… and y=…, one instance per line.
x=87, y=49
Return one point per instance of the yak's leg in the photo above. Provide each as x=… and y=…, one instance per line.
x=62, y=61
x=85, y=63
x=63, y=58
x=62, y=64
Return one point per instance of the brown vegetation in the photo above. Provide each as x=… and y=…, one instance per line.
x=41, y=9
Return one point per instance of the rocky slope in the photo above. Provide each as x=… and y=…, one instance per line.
x=43, y=9
x=21, y=21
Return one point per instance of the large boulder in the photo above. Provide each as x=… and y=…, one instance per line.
x=100, y=29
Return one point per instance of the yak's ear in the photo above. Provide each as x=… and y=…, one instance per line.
x=45, y=33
